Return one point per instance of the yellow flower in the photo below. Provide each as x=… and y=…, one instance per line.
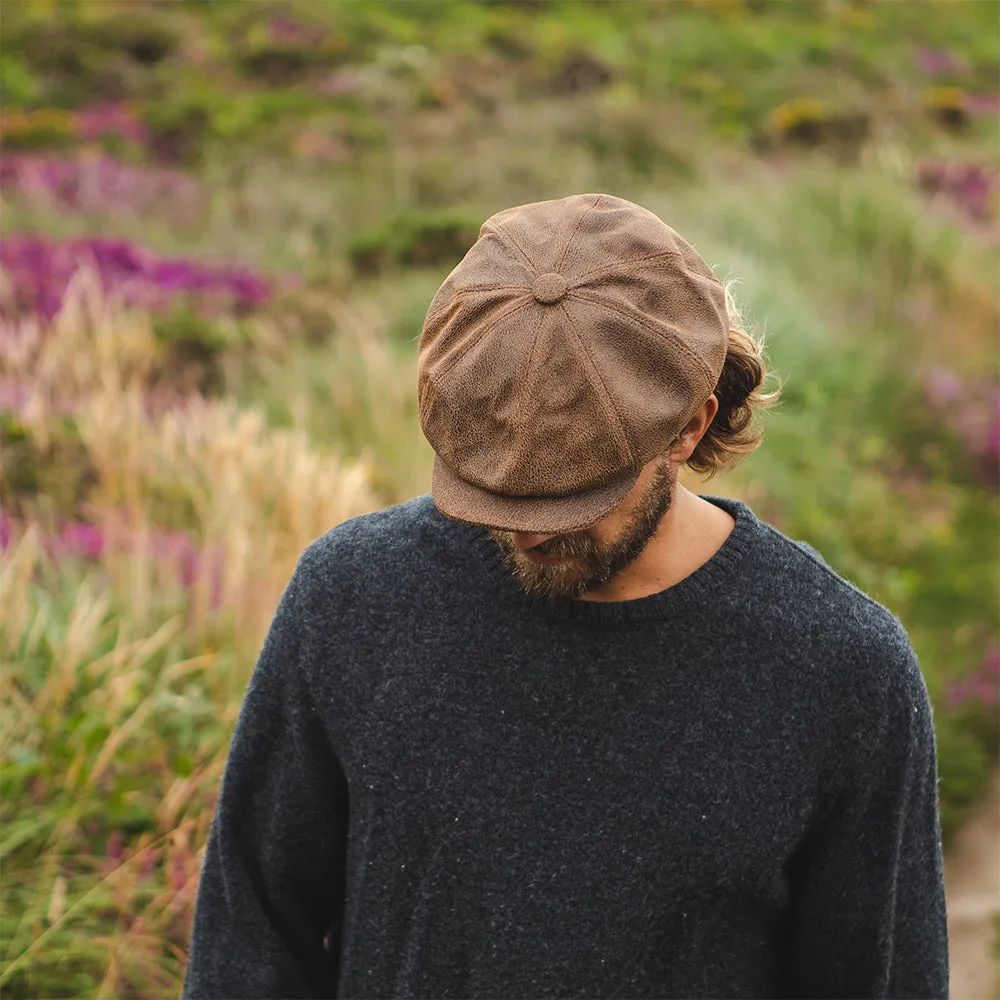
x=789, y=114
x=945, y=97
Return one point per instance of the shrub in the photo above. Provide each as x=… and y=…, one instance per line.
x=46, y=128
x=281, y=50
x=948, y=107
x=40, y=271
x=53, y=465
x=192, y=356
x=420, y=239
x=101, y=185
x=971, y=187
x=811, y=122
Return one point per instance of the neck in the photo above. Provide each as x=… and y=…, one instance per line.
x=690, y=533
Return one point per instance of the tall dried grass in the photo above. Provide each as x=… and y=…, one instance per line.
x=121, y=680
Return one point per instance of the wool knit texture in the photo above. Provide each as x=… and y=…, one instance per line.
x=440, y=786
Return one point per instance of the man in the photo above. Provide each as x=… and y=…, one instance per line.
x=564, y=728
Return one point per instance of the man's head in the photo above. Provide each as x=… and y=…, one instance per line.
x=571, y=344
x=574, y=344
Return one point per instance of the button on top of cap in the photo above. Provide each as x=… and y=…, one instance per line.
x=549, y=288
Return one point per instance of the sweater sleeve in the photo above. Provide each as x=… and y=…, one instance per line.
x=867, y=885
x=272, y=881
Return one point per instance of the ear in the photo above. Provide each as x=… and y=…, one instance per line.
x=686, y=442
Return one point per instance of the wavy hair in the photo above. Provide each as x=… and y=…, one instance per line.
x=733, y=432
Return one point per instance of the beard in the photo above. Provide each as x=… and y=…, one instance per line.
x=590, y=564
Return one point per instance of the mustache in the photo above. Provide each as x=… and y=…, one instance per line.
x=565, y=546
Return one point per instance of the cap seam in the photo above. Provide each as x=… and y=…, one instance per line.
x=525, y=384
x=575, y=230
x=628, y=263
x=607, y=401
x=491, y=288
x=505, y=231
x=442, y=372
x=575, y=293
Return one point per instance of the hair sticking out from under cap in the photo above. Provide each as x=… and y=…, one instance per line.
x=733, y=432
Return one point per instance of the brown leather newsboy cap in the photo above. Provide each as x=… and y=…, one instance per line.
x=570, y=346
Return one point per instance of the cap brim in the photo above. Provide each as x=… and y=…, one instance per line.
x=463, y=501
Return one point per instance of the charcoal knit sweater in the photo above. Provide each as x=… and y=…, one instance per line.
x=439, y=786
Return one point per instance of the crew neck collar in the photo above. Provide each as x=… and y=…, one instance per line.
x=696, y=589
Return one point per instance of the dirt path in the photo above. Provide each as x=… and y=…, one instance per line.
x=972, y=885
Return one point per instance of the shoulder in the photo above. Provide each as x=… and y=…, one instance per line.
x=844, y=666
x=859, y=646
x=372, y=536
x=381, y=549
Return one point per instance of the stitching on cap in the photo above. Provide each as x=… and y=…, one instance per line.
x=576, y=294
x=459, y=292
x=608, y=401
x=576, y=229
x=503, y=230
x=628, y=263
x=442, y=372
x=531, y=355
x=493, y=287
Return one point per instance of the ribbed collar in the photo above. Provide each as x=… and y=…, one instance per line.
x=700, y=587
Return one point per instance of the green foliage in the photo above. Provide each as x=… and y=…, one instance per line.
x=56, y=467
x=418, y=239
x=96, y=860
x=265, y=55
x=964, y=766
x=186, y=122
x=91, y=53
x=45, y=129
x=18, y=84
x=735, y=63
x=193, y=347
x=19, y=472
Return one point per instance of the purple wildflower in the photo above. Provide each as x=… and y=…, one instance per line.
x=110, y=118
x=81, y=539
x=178, y=871
x=115, y=847
x=983, y=690
x=981, y=687
x=937, y=62
x=983, y=104
x=288, y=31
x=969, y=186
x=40, y=272
x=100, y=184
x=991, y=442
x=176, y=548
x=972, y=410
x=14, y=396
x=248, y=288
x=991, y=665
x=5, y=530
x=173, y=275
x=942, y=386
x=147, y=862
x=956, y=694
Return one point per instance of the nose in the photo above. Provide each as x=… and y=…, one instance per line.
x=525, y=541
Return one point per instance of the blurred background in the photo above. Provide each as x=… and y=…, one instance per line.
x=222, y=225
